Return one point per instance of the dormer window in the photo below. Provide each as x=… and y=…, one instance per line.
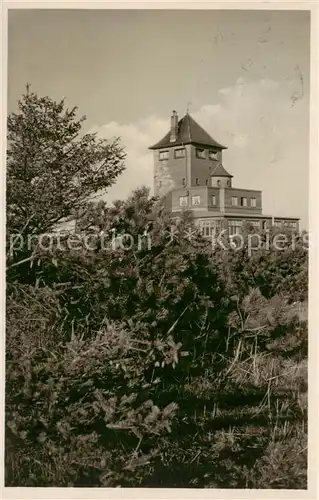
x=163, y=155
x=213, y=155
x=200, y=153
x=179, y=153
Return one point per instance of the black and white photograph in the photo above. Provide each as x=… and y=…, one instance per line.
x=157, y=240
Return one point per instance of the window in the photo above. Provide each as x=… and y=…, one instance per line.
x=234, y=226
x=205, y=228
x=209, y=227
x=254, y=223
x=218, y=183
x=234, y=201
x=206, y=182
x=252, y=202
x=243, y=202
x=163, y=155
x=184, y=181
x=277, y=223
x=200, y=153
x=213, y=155
x=180, y=153
x=213, y=199
x=195, y=200
x=196, y=181
x=183, y=201
x=229, y=183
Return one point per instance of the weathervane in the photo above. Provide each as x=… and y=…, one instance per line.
x=187, y=108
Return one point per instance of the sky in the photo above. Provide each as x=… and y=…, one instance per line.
x=243, y=75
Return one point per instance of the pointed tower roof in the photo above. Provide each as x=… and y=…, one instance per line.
x=219, y=171
x=189, y=132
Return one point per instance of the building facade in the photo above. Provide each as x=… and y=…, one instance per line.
x=189, y=174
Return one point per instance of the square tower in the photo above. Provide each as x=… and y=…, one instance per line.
x=186, y=156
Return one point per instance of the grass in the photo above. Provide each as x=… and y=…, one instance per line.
x=242, y=427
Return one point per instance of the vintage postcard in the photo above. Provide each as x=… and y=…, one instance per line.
x=161, y=244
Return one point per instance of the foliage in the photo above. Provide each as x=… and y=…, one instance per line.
x=52, y=167
x=78, y=404
x=142, y=356
x=264, y=265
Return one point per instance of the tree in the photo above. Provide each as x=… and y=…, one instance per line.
x=52, y=167
x=266, y=267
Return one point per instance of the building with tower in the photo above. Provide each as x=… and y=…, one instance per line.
x=189, y=174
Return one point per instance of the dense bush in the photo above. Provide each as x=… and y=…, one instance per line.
x=108, y=410
x=77, y=414
x=165, y=362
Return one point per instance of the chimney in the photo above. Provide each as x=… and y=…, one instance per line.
x=174, y=127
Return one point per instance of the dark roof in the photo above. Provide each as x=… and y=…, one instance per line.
x=219, y=171
x=189, y=132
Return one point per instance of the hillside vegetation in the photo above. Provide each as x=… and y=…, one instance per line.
x=161, y=362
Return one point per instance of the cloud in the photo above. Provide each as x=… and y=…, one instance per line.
x=265, y=129
x=136, y=138
x=225, y=90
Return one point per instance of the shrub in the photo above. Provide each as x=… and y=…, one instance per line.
x=81, y=413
